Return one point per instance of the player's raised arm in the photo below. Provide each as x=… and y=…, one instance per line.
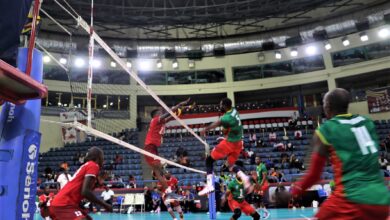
x=167, y=117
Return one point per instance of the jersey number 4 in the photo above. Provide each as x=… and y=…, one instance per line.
x=366, y=144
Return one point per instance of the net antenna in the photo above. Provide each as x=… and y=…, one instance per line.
x=95, y=37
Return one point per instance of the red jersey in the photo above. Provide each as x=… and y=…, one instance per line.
x=43, y=197
x=155, y=132
x=172, y=182
x=70, y=195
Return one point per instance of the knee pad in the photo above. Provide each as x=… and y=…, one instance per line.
x=236, y=214
x=255, y=216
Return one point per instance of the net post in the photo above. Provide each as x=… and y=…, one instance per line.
x=212, y=203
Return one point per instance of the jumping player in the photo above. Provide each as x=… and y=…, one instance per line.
x=230, y=147
x=352, y=144
x=154, y=136
x=235, y=195
x=65, y=204
x=261, y=185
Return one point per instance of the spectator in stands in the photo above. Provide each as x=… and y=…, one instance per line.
x=290, y=147
x=156, y=199
x=131, y=182
x=383, y=162
x=298, y=133
x=252, y=137
x=279, y=146
x=268, y=162
x=63, y=176
x=118, y=160
x=81, y=159
x=251, y=156
x=76, y=157
x=182, y=156
x=107, y=195
x=293, y=120
x=260, y=143
x=272, y=136
x=277, y=175
x=280, y=189
x=295, y=162
x=189, y=201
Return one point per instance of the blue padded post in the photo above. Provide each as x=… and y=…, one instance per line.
x=19, y=149
x=212, y=204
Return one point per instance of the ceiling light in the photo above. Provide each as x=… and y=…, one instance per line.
x=145, y=65
x=363, y=37
x=113, y=64
x=191, y=64
x=63, y=61
x=175, y=64
x=46, y=59
x=111, y=103
x=328, y=46
x=294, y=52
x=383, y=33
x=128, y=64
x=345, y=41
x=159, y=64
x=79, y=62
x=278, y=55
x=311, y=50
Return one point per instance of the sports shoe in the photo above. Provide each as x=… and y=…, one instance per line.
x=206, y=190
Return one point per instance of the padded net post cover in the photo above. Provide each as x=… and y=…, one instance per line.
x=17, y=87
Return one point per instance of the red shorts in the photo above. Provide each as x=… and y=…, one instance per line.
x=337, y=208
x=231, y=150
x=150, y=160
x=67, y=213
x=243, y=206
x=260, y=190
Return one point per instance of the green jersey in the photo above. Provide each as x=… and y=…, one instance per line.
x=260, y=170
x=354, y=154
x=232, y=123
x=237, y=190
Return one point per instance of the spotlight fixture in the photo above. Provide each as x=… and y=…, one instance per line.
x=363, y=36
x=46, y=59
x=328, y=46
x=191, y=64
x=278, y=55
x=175, y=64
x=128, y=64
x=383, y=33
x=63, y=61
x=159, y=64
x=79, y=62
x=345, y=41
x=294, y=52
x=311, y=50
x=113, y=64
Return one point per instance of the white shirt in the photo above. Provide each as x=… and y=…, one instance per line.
x=107, y=194
x=63, y=180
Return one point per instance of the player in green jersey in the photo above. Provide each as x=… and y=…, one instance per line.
x=352, y=144
x=230, y=147
x=261, y=186
x=235, y=195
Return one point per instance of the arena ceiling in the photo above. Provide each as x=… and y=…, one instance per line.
x=200, y=19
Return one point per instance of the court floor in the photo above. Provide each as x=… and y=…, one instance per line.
x=275, y=214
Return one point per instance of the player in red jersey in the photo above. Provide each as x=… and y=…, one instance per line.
x=154, y=136
x=44, y=202
x=65, y=204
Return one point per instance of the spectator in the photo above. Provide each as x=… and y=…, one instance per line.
x=295, y=162
x=277, y=175
x=107, y=195
x=298, y=134
x=251, y=156
x=293, y=120
x=131, y=182
x=272, y=136
x=268, y=162
x=156, y=199
x=383, y=162
x=148, y=199
x=280, y=190
x=64, y=177
x=260, y=143
x=182, y=156
x=279, y=146
x=118, y=160
x=290, y=147
x=81, y=159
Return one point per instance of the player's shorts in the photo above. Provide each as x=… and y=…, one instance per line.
x=244, y=206
x=341, y=209
x=261, y=189
x=67, y=213
x=151, y=149
x=231, y=150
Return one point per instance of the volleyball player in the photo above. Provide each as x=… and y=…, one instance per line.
x=235, y=194
x=230, y=147
x=65, y=204
x=352, y=144
x=154, y=138
x=261, y=185
x=172, y=202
